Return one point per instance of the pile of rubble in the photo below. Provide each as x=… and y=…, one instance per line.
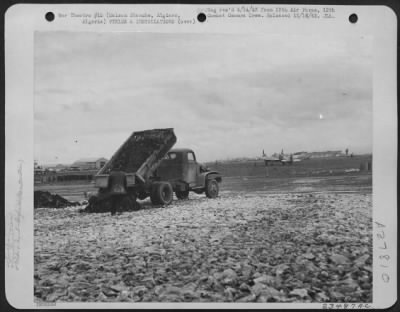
x=43, y=199
x=95, y=205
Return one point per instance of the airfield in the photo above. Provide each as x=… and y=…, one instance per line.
x=298, y=233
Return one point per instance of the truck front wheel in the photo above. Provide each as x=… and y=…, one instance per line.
x=161, y=193
x=212, y=189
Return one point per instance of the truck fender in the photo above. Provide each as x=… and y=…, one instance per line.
x=213, y=175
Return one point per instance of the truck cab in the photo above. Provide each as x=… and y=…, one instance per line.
x=180, y=168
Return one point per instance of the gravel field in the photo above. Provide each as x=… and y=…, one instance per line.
x=241, y=247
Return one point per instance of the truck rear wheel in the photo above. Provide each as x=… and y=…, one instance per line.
x=212, y=188
x=161, y=193
x=182, y=194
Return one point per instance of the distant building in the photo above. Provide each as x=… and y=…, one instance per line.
x=89, y=163
x=60, y=167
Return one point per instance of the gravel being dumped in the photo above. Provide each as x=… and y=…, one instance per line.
x=42, y=199
x=252, y=248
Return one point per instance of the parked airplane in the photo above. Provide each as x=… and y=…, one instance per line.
x=282, y=158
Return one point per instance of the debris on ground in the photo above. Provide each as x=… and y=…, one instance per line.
x=42, y=199
x=287, y=247
x=94, y=205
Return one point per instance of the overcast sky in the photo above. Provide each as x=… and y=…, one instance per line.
x=225, y=95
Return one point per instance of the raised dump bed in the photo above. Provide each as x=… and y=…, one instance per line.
x=138, y=156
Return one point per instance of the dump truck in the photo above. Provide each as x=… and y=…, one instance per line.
x=151, y=168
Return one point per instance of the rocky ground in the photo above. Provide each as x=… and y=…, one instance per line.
x=257, y=247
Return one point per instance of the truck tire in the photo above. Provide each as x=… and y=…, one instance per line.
x=182, y=194
x=212, y=188
x=153, y=195
x=161, y=193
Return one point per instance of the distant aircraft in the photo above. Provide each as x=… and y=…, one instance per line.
x=282, y=158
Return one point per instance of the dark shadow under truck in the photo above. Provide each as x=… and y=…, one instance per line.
x=151, y=169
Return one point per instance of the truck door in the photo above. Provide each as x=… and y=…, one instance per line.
x=193, y=169
x=171, y=167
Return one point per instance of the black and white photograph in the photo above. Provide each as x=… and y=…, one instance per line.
x=225, y=168
x=203, y=167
